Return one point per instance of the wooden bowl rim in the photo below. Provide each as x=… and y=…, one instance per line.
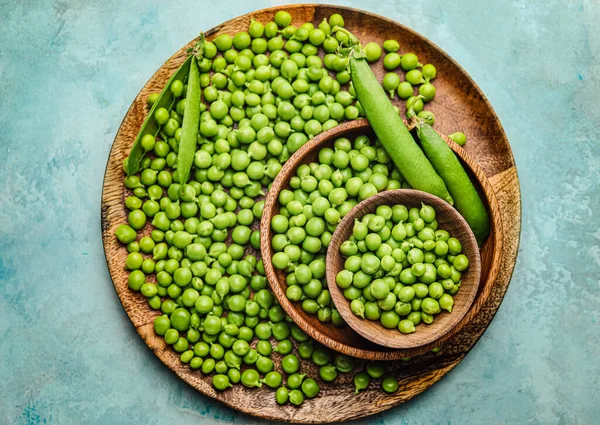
x=445, y=321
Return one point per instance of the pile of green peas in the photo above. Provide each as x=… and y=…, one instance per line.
x=319, y=196
x=400, y=269
x=416, y=76
x=191, y=245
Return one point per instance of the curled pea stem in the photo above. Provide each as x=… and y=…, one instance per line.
x=352, y=39
x=410, y=111
x=198, y=50
x=353, y=47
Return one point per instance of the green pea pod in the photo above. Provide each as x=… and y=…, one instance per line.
x=150, y=126
x=466, y=199
x=393, y=134
x=189, y=128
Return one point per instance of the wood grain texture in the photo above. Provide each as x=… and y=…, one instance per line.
x=449, y=219
x=459, y=105
x=346, y=340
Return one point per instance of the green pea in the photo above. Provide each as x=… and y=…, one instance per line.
x=379, y=289
x=272, y=379
x=372, y=310
x=459, y=138
x=461, y=262
x=391, y=80
x=264, y=365
x=414, y=77
x=196, y=363
x=389, y=318
x=223, y=42
x=281, y=331
x=391, y=46
x=282, y=395
x=181, y=345
x=361, y=381
x=428, y=91
x=161, y=325
x=294, y=381
x=409, y=62
x=316, y=37
x=389, y=384
x=296, y=397
x=256, y=29
x=136, y=280
x=271, y=29
x=430, y=306
x=427, y=116
x=125, y=234
x=372, y=51
x=436, y=290
x=374, y=370
x=406, y=326
x=152, y=98
x=336, y=20
x=310, y=388
x=328, y=372
x=283, y=19
x=250, y=378
x=446, y=302
x=321, y=356
x=391, y=61
x=241, y=40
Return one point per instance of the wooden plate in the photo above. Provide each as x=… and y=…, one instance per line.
x=449, y=219
x=459, y=106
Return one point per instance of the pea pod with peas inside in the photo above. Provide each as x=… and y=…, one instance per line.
x=166, y=99
x=389, y=127
x=466, y=199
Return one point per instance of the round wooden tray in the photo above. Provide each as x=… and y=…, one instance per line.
x=459, y=106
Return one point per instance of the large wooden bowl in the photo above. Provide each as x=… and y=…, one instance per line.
x=346, y=340
x=459, y=105
x=449, y=219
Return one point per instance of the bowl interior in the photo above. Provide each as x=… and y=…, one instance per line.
x=345, y=339
x=449, y=219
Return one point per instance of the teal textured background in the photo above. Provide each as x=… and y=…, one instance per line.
x=68, y=72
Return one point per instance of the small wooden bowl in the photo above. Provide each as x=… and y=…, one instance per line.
x=449, y=219
x=345, y=340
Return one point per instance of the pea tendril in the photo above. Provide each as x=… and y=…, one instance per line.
x=198, y=49
x=351, y=48
x=410, y=111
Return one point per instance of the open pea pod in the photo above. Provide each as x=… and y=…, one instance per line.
x=150, y=126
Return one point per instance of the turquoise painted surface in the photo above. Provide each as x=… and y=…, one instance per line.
x=68, y=72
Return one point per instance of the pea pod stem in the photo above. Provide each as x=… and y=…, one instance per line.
x=198, y=49
x=353, y=47
x=410, y=108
